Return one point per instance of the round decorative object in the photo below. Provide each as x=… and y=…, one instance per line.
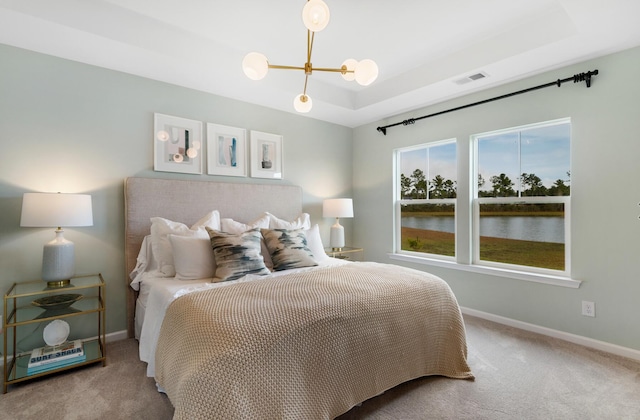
x=56, y=332
x=57, y=301
x=162, y=135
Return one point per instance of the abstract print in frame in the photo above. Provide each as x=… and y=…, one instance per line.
x=266, y=155
x=177, y=144
x=226, y=150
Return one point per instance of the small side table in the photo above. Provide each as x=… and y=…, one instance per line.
x=22, y=318
x=346, y=253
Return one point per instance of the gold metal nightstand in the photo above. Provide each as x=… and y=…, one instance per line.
x=24, y=318
x=346, y=253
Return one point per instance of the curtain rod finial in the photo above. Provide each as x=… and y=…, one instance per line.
x=383, y=130
x=585, y=77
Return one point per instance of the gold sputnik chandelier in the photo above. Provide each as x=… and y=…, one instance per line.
x=315, y=16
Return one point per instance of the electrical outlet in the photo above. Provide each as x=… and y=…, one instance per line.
x=588, y=308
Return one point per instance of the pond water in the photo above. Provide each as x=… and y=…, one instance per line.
x=539, y=229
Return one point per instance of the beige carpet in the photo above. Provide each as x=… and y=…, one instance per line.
x=519, y=375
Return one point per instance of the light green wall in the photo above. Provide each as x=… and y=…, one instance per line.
x=604, y=187
x=70, y=127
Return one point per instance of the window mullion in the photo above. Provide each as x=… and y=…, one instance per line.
x=519, y=174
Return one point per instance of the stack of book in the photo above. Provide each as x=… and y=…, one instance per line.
x=54, y=357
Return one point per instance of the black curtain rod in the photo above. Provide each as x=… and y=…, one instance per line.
x=586, y=77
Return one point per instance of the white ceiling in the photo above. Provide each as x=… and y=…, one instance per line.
x=421, y=47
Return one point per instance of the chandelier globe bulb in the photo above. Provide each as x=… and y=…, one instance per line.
x=315, y=15
x=302, y=103
x=350, y=64
x=255, y=66
x=366, y=72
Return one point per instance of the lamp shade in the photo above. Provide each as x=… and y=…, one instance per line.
x=56, y=210
x=337, y=207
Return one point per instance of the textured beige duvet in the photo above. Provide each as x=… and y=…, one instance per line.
x=309, y=345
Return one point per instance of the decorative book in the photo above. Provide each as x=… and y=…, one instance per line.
x=56, y=354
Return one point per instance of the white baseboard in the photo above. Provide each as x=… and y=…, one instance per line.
x=116, y=336
x=572, y=338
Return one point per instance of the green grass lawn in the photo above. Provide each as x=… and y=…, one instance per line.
x=509, y=251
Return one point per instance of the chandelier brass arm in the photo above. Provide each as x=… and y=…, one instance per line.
x=275, y=66
x=308, y=68
x=315, y=16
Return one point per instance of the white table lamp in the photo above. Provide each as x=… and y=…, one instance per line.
x=57, y=210
x=337, y=207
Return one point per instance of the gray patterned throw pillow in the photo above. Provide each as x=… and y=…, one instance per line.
x=237, y=254
x=288, y=248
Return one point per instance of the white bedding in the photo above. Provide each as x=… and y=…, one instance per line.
x=157, y=293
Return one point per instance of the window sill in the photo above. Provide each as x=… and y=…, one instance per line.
x=518, y=275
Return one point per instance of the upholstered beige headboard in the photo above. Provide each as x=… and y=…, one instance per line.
x=187, y=201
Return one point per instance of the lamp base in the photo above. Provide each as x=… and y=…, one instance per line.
x=57, y=284
x=336, y=239
x=58, y=261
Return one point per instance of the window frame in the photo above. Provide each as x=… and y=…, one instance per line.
x=469, y=238
x=476, y=201
x=399, y=201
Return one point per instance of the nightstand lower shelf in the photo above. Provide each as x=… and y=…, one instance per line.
x=18, y=367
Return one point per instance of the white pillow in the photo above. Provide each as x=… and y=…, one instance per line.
x=193, y=257
x=302, y=222
x=231, y=226
x=262, y=222
x=314, y=243
x=144, y=263
x=161, y=229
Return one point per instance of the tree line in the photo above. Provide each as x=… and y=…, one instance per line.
x=416, y=186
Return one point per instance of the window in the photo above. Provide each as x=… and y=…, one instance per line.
x=426, y=199
x=518, y=205
x=521, y=196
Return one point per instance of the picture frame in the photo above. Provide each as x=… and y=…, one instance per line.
x=266, y=155
x=226, y=150
x=177, y=144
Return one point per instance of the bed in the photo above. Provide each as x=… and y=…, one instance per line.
x=309, y=337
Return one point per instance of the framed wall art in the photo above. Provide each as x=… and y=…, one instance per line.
x=266, y=155
x=226, y=150
x=177, y=144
